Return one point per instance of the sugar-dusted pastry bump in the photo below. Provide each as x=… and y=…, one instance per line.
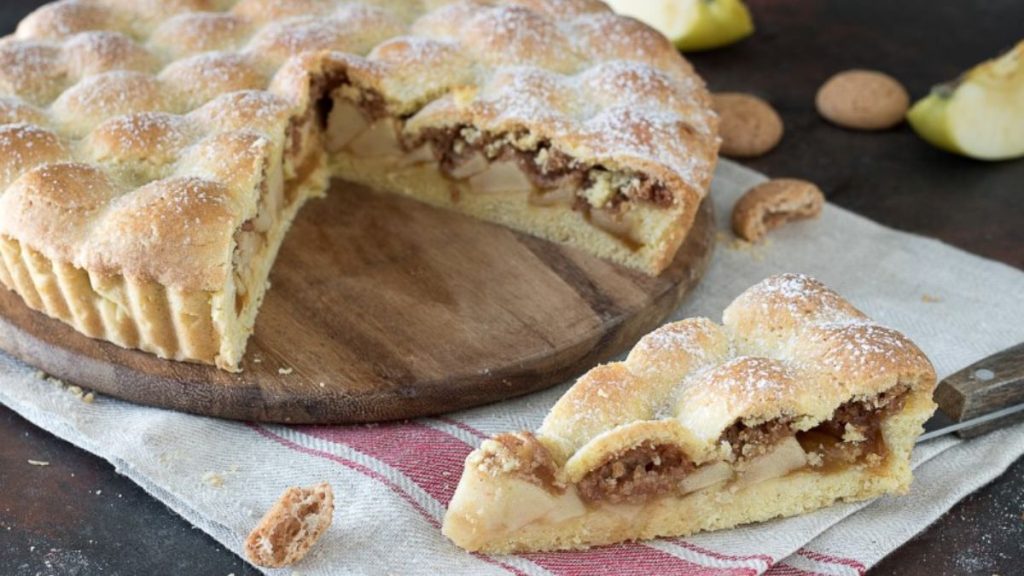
x=202, y=78
x=91, y=53
x=768, y=315
x=25, y=146
x=556, y=118
x=514, y=35
x=748, y=125
x=232, y=158
x=558, y=8
x=863, y=100
x=798, y=402
x=31, y=71
x=644, y=85
x=149, y=139
x=573, y=421
x=196, y=32
x=751, y=390
x=64, y=18
x=611, y=37
x=250, y=109
x=136, y=238
x=54, y=205
x=772, y=204
x=97, y=98
x=666, y=355
x=14, y=111
x=262, y=12
x=874, y=357
x=420, y=69
x=354, y=28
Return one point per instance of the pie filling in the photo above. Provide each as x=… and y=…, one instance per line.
x=479, y=162
x=257, y=238
x=355, y=122
x=751, y=454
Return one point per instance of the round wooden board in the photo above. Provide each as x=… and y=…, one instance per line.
x=384, y=308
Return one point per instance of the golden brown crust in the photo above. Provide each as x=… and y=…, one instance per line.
x=291, y=526
x=773, y=203
x=145, y=131
x=796, y=386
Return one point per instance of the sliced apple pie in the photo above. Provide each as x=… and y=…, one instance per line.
x=153, y=154
x=796, y=401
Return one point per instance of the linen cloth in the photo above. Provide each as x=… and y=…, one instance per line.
x=392, y=481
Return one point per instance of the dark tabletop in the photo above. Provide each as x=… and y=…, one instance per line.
x=77, y=516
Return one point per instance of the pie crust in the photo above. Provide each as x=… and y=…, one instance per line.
x=795, y=402
x=153, y=154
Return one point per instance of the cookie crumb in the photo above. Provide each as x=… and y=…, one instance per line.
x=39, y=462
x=213, y=479
x=285, y=371
x=929, y=299
x=292, y=525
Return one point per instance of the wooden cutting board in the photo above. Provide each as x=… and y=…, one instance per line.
x=384, y=308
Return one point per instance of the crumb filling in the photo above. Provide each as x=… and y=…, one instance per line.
x=636, y=474
x=754, y=454
x=854, y=434
x=359, y=124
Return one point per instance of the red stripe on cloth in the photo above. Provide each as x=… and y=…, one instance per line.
x=426, y=456
x=828, y=559
x=627, y=560
x=719, y=556
x=379, y=478
x=348, y=464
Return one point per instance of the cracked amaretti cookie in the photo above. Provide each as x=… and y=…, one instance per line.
x=153, y=153
x=796, y=401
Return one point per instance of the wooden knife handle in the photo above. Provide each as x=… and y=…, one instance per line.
x=984, y=387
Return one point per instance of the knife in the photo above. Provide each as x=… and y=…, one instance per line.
x=985, y=396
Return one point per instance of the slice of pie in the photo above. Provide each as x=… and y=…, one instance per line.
x=797, y=401
x=153, y=154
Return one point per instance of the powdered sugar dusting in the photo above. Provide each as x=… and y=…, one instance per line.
x=22, y=146
x=27, y=69
x=94, y=52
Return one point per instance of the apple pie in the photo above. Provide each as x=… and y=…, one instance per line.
x=797, y=400
x=153, y=153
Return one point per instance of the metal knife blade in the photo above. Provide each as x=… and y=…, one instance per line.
x=982, y=397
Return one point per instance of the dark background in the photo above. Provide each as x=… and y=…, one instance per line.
x=77, y=516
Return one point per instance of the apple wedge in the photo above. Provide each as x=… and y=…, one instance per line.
x=692, y=25
x=981, y=114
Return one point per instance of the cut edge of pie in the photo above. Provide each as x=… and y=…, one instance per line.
x=154, y=161
x=795, y=402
